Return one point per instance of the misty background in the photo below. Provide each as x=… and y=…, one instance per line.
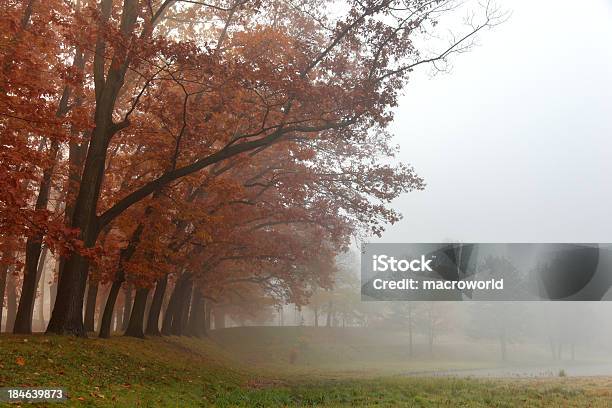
x=513, y=143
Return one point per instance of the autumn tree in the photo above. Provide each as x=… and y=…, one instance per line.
x=134, y=113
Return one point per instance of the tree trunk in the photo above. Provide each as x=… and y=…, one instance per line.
x=3, y=275
x=169, y=312
x=146, y=311
x=135, y=326
x=90, y=307
x=197, y=315
x=179, y=321
x=173, y=309
x=11, y=302
x=67, y=315
x=109, y=310
x=53, y=293
x=114, y=323
x=118, y=308
x=127, y=306
x=23, y=318
x=156, y=306
x=41, y=299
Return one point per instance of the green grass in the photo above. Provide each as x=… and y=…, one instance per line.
x=182, y=372
x=426, y=392
x=119, y=371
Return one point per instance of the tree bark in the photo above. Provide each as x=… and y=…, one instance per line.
x=41, y=299
x=127, y=306
x=53, y=293
x=11, y=302
x=118, y=309
x=147, y=309
x=67, y=315
x=197, y=315
x=135, y=326
x=179, y=321
x=152, y=328
x=109, y=310
x=3, y=275
x=174, y=309
x=170, y=310
x=90, y=307
x=23, y=319
x=114, y=323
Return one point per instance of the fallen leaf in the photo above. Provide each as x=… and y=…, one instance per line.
x=20, y=361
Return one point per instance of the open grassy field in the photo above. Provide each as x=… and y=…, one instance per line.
x=185, y=372
x=371, y=352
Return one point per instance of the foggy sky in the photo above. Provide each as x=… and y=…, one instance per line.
x=514, y=143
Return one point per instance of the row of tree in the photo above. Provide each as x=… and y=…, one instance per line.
x=223, y=150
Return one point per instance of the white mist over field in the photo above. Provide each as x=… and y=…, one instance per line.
x=514, y=145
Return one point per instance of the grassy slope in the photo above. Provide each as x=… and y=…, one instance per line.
x=188, y=372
